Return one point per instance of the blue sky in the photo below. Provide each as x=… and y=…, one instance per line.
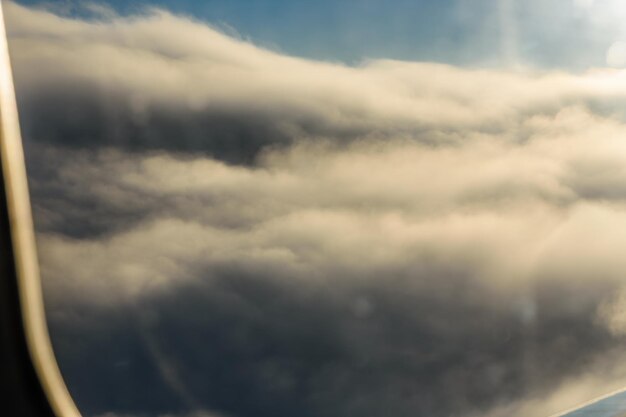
x=573, y=34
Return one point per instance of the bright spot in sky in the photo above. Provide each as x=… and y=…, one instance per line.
x=616, y=55
x=584, y=4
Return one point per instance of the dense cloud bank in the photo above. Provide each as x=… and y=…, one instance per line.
x=231, y=232
x=130, y=83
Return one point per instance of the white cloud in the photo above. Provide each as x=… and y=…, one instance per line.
x=498, y=188
x=199, y=67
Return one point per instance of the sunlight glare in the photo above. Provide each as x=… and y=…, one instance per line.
x=584, y=4
x=616, y=55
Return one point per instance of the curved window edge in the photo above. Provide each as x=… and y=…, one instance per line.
x=22, y=239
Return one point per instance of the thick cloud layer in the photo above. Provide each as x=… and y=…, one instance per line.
x=231, y=232
x=433, y=298
x=129, y=83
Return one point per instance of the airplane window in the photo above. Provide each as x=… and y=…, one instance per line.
x=375, y=208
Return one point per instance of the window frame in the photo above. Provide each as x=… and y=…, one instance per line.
x=31, y=383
